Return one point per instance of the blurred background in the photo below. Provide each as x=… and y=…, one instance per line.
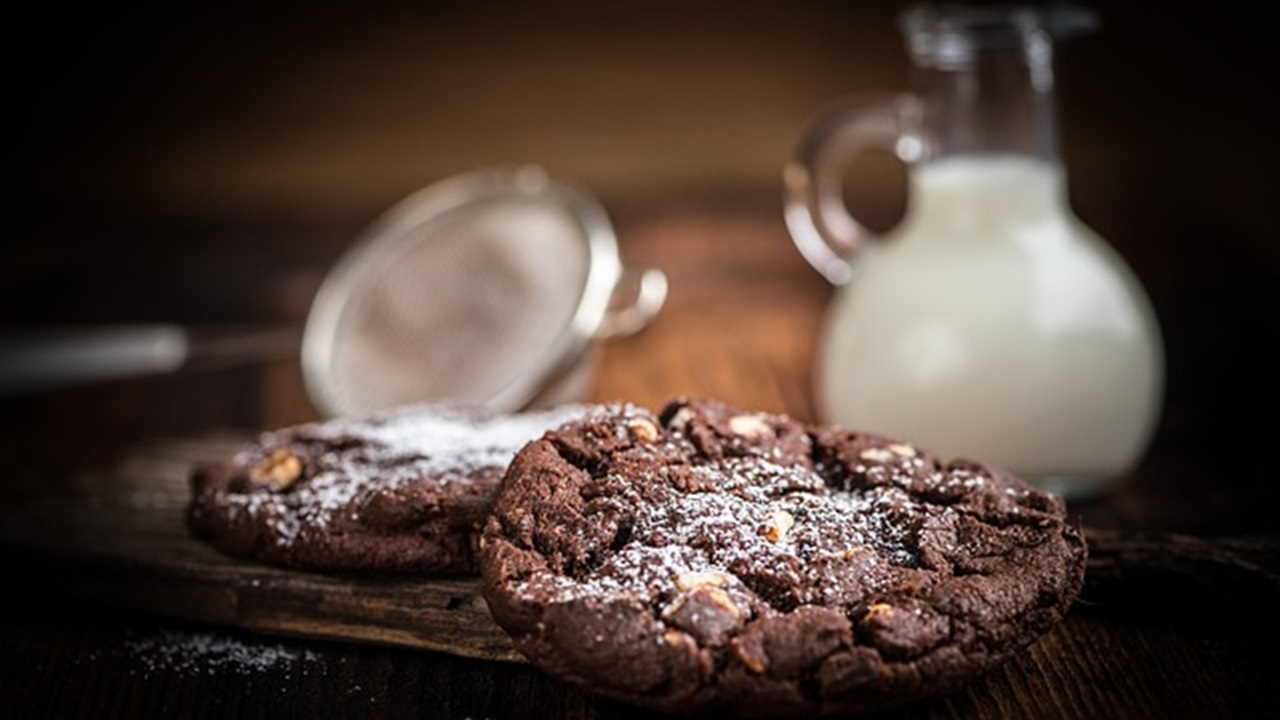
x=219, y=109
x=206, y=162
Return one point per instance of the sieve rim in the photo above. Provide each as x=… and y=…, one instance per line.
x=479, y=188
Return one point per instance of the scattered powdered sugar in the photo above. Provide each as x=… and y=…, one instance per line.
x=733, y=526
x=443, y=439
x=209, y=653
x=762, y=519
x=383, y=453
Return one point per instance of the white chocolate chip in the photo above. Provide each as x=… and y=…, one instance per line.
x=693, y=580
x=902, y=449
x=780, y=523
x=751, y=426
x=675, y=638
x=703, y=597
x=680, y=421
x=720, y=599
x=643, y=430
x=879, y=455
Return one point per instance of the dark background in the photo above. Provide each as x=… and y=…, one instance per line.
x=205, y=164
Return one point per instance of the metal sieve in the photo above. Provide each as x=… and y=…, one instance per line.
x=486, y=289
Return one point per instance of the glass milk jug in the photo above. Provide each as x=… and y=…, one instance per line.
x=990, y=322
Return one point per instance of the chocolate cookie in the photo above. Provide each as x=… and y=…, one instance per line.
x=712, y=560
x=402, y=491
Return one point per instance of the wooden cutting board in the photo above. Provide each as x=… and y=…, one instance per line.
x=120, y=539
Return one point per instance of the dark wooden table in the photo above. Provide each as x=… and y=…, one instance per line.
x=740, y=324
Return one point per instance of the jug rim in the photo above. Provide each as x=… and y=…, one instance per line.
x=946, y=33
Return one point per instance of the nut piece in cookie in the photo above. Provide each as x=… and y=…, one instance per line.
x=278, y=470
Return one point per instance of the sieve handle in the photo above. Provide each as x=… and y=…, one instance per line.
x=650, y=293
x=57, y=357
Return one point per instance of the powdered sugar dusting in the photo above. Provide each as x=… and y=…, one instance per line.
x=345, y=460
x=777, y=514
x=725, y=528
x=443, y=440
x=208, y=653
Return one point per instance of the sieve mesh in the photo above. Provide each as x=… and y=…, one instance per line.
x=458, y=306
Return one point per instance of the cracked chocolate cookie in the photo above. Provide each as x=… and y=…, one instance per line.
x=712, y=560
x=406, y=490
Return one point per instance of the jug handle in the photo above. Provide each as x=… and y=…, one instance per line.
x=820, y=224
